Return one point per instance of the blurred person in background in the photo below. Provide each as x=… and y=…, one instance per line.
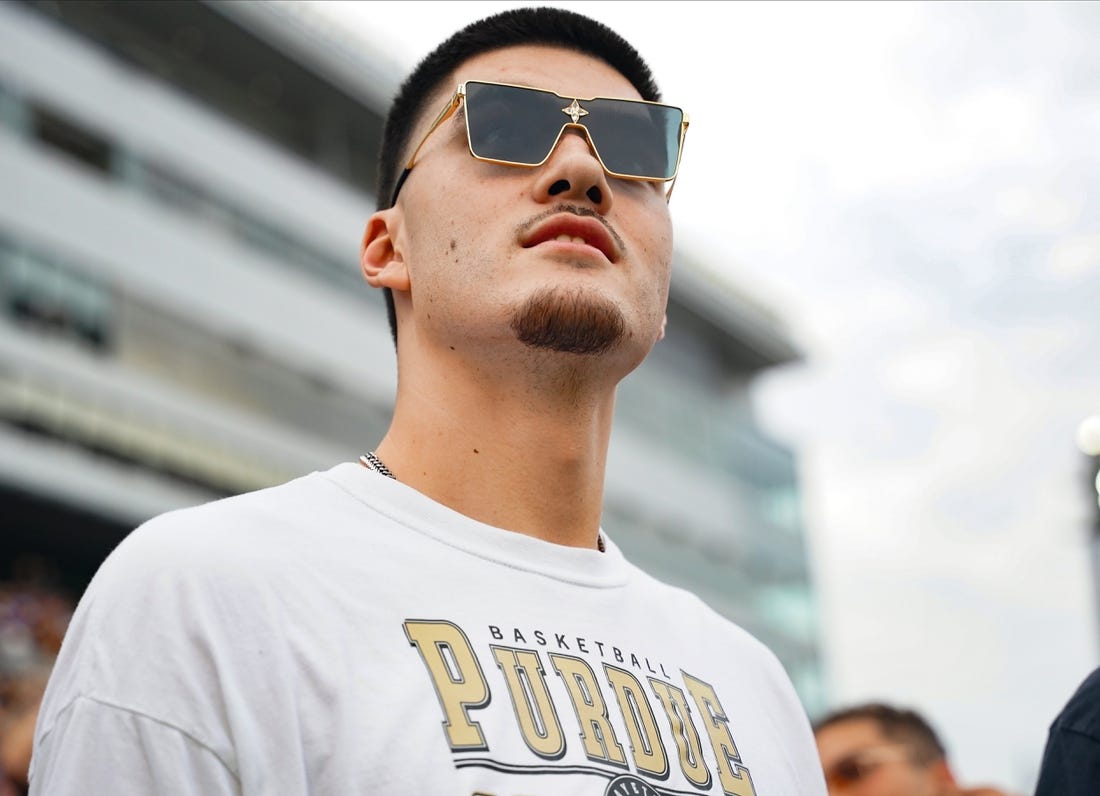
x=1071, y=760
x=447, y=616
x=875, y=749
x=33, y=618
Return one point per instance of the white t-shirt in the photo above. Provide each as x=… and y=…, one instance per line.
x=344, y=634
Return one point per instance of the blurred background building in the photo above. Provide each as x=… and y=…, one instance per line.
x=183, y=188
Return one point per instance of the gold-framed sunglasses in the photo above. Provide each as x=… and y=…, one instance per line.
x=858, y=766
x=521, y=126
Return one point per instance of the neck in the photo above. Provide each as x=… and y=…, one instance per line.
x=526, y=454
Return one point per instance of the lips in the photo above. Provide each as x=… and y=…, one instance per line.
x=579, y=230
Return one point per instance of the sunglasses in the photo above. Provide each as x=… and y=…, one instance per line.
x=521, y=126
x=857, y=767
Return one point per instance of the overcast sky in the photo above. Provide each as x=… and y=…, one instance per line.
x=916, y=189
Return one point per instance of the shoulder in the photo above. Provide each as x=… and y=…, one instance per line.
x=1071, y=758
x=1089, y=691
x=1081, y=713
x=286, y=500
x=744, y=676
x=228, y=560
x=700, y=617
x=206, y=536
x=714, y=634
x=177, y=572
x=185, y=598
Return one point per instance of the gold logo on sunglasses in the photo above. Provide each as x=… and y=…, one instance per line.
x=575, y=111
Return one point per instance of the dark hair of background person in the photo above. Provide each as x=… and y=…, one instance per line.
x=897, y=724
x=551, y=26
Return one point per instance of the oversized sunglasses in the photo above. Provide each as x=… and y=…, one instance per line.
x=857, y=767
x=521, y=126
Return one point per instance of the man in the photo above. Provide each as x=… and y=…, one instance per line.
x=879, y=750
x=446, y=616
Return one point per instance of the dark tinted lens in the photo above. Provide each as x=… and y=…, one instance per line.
x=518, y=125
x=635, y=138
x=846, y=772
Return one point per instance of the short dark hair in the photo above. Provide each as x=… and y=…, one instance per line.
x=898, y=724
x=551, y=26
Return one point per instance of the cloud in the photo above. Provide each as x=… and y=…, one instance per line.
x=1074, y=259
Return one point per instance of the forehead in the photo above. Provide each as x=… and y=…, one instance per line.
x=847, y=737
x=565, y=71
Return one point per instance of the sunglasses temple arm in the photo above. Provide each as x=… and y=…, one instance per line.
x=397, y=185
x=444, y=114
x=679, y=152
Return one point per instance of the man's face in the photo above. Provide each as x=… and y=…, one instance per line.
x=859, y=760
x=560, y=256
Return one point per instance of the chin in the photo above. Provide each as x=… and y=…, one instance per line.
x=570, y=320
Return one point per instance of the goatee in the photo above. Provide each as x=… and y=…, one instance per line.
x=572, y=322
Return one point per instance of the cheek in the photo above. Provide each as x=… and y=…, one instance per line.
x=435, y=230
x=655, y=230
x=460, y=209
x=655, y=251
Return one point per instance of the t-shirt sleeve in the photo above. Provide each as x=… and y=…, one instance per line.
x=95, y=747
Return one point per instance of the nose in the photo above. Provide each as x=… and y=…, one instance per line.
x=573, y=173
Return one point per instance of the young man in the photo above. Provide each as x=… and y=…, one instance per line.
x=447, y=617
x=879, y=750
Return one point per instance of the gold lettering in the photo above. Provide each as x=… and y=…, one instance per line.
x=538, y=720
x=457, y=677
x=732, y=774
x=645, y=739
x=588, y=703
x=683, y=730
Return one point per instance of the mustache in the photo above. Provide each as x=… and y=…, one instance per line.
x=577, y=210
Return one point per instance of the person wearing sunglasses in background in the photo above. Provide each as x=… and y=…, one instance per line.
x=875, y=749
x=446, y=616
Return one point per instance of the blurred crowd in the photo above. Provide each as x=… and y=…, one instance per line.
x=33, y=618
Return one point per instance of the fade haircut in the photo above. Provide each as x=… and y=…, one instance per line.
x=550, y=26
x=898, y=724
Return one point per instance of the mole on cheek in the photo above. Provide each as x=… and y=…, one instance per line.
x=453, y=244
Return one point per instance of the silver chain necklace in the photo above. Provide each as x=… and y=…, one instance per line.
x=371, y=461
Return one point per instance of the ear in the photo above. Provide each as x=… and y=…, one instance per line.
x=664, y=325
x=944, y=777
x=380, y=258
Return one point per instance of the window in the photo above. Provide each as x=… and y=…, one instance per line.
x=65, y=135
x=40, y=293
